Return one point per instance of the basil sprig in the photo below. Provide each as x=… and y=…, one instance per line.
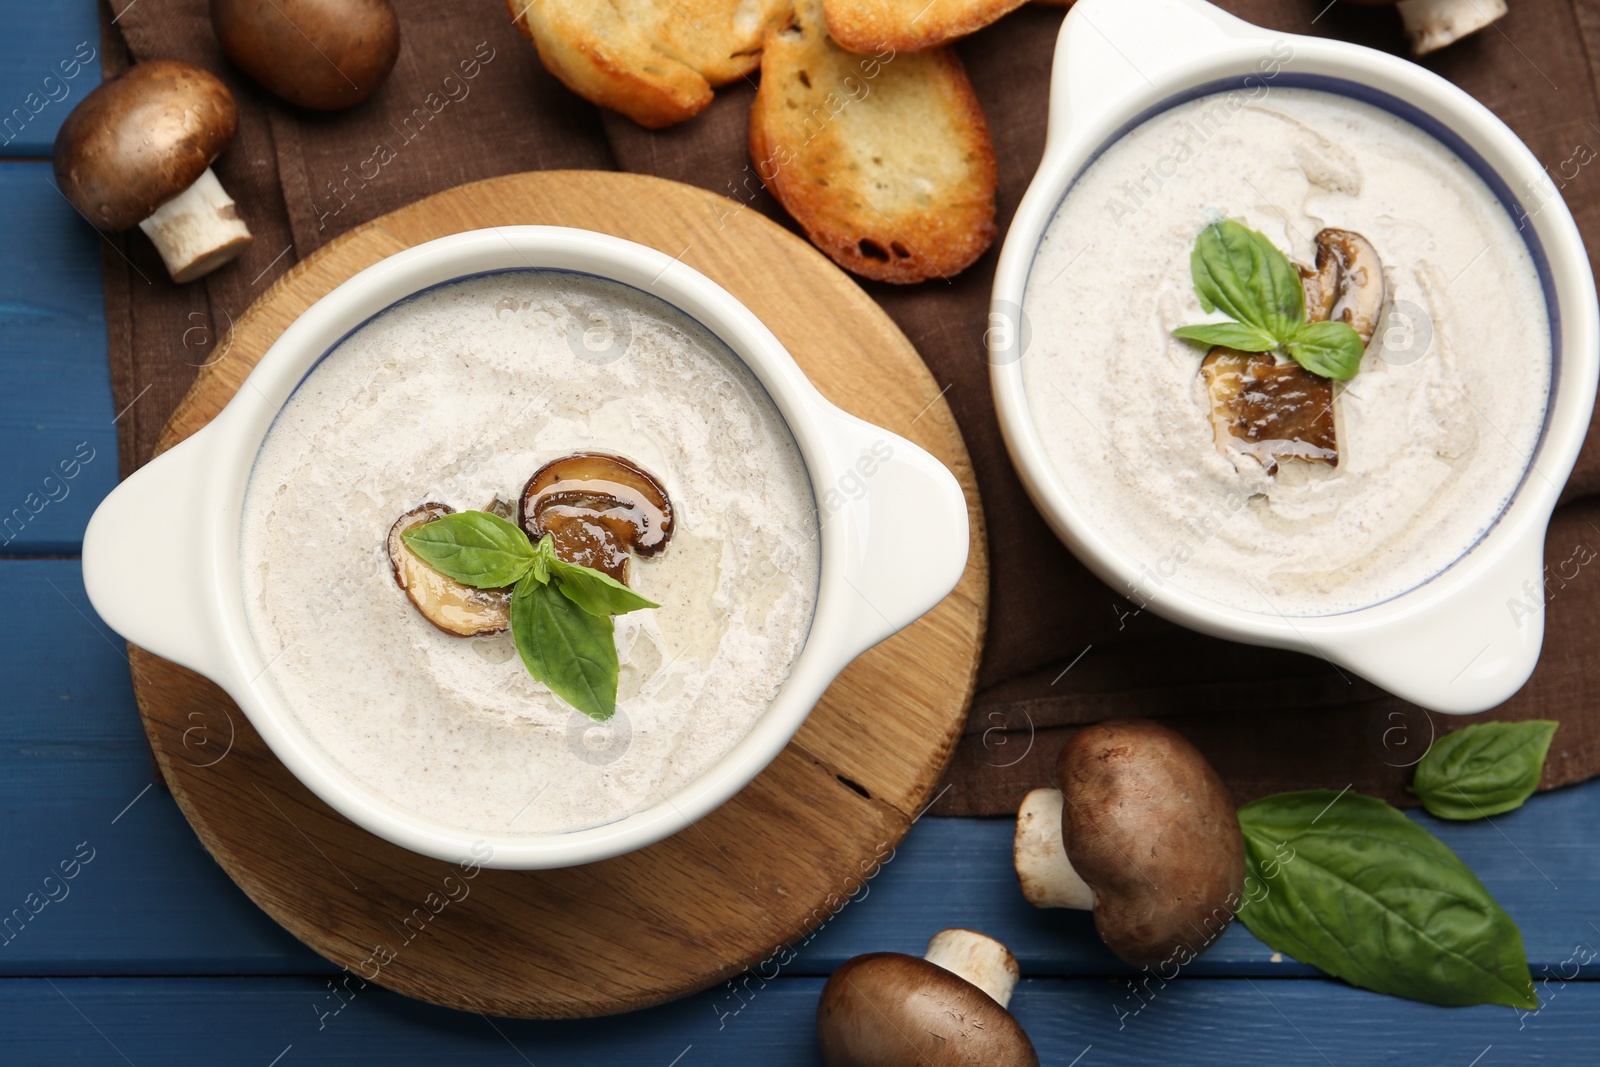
x=1367, y=895
x=560, y=611
x=1240, y=273
x=1483, y=770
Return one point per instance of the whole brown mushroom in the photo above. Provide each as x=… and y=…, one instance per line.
x=947, y=1009
x=320, y=54
x=138, y=151
x=1143, y=832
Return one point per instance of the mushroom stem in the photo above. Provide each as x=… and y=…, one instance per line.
x=198, y=230
x=979, y=959
x=1432, y=24
x=1040, y=852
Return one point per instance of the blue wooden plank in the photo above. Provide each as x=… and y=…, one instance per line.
x=56, y=428
x=76, y=785
x=1539, y=862
x=292, y=1022
x=151, y=902
x=49, y=60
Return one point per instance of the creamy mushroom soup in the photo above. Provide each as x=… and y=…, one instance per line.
x=458, y=396
x=1435, y=431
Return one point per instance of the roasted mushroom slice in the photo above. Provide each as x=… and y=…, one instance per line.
x=598, y=508
x=1269, y=410
x=452, y=607
x=1347, y=285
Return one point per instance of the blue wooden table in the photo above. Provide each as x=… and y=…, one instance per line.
x=150, y=955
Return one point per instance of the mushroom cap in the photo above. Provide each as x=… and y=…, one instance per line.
x=320, y=54
x=598, y=508
x=1151, y=829
x=886, y=1009
x=139, y=140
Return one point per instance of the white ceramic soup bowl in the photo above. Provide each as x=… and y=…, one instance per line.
x=161, y=556
x=1466, y=639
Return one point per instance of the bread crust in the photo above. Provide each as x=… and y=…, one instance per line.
x=884, y=160
x=909, y=25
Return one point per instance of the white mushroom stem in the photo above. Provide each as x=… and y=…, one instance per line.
x=978, y=958
x=1040, y=852
x=198, y=230
x=1432, y=24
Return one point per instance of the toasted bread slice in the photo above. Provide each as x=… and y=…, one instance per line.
x=721, y=39
x=653, y=60
x=604, y=59
x=909, y=25
x=885, y=161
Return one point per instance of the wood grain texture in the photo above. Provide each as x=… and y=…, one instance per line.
x=1072, y=1022
x=56, y=415
x=49, y=61
x=717, y=898
x=73, y=758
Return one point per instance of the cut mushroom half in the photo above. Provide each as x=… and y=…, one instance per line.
x=598, y=509
x=137, y=151
x=1142, y=832
x=451, y=606
x=1433, y=24
x=946, y=1009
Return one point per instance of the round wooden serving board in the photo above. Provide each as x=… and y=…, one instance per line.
x=717, y=898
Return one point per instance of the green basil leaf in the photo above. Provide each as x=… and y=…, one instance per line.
x=543, y=553
x=1240, y=272
x=1234, y=335
x=1282, y=293
x=1484, y=769
x=473, y=547
x=1367, y=895
x=565, y=647
x=1219, y=276
x=1331, y=349
x=595, y=591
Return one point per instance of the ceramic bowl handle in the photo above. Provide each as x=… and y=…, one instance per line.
x=145, y=563
x=1465, y=653
x=1110, y=50
x=906, y=531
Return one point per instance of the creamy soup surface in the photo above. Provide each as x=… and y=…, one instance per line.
x=1435, y=432
x=458, y=395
